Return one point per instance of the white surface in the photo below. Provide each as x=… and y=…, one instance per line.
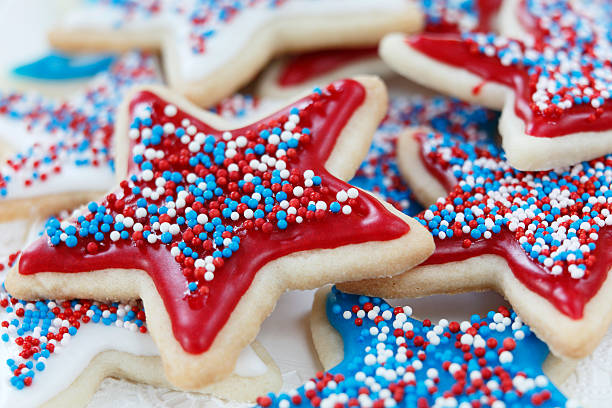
x=24, y=26
x=285, y=333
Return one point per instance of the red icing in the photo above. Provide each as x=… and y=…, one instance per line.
x=196, y=318
x=306, y=67
x=449, y=49
x=443, y=175
x=488, y=11
x=567, y=294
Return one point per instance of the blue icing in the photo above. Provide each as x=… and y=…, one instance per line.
x=57, y=66
x=389, y=372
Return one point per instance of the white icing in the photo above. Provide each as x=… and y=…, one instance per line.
x=15, y=134
x=230, y=38
x=12, y=235
x=72, y=179
x=100, y=16
x=68, y=362
x=65, y=365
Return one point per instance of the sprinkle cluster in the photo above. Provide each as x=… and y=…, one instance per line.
x=236, y=106
x=568, y=58
x=379, y=172
x=37, y=330
x=199, y=191
x=556, y=216
x=455, y=15
x=196, y=20
x=76, y=132
x=391, y=359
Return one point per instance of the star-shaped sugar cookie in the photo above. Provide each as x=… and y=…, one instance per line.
x=540, y=238
x=377, y=355
x=548, y=71
x=212, y=48
x=210, y=226
x=59, y=153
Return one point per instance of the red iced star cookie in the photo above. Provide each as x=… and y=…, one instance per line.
x=540, y=238
x=549, y=72
x=210, y=226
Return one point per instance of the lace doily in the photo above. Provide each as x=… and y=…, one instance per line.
x=113, y=393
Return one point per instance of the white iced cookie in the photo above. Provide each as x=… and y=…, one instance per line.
x=211, y=49
x=58, y=153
